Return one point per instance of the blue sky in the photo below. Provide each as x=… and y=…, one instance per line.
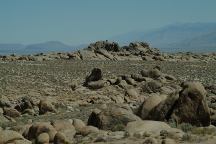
x=83, y=21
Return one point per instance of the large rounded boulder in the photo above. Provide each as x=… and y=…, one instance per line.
x=191, y=107
x=112, y=118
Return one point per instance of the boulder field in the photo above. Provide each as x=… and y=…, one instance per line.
x=149, y=107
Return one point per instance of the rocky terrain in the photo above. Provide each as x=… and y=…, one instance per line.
x=108, y=94
x=105, y=50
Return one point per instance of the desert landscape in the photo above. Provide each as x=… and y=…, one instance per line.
x=105, y=93
x=107, y=72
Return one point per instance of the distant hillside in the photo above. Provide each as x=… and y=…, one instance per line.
x=50, y=46
x=205, y=42
x=10, y=48
x=177, y=37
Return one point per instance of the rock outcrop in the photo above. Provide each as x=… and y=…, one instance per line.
x=105, y=50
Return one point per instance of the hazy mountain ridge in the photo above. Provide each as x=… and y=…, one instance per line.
x=176, y=37
x=193, y=37
x=50, y=46
x=199, y=43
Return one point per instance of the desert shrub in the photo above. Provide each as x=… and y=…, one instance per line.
x=118, y=127
x=203, y=131
x=172, y=123
x=187, y=137
x=186, y=127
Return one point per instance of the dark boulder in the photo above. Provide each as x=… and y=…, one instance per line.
x=96, y=75
x=191, y=107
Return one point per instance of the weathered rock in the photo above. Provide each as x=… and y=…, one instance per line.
x=4, y=102
x=29, y=111
x=25, y=103
x=105, y=53
x=213, y=119
x=117, y=135
x=24, y=141
x=41, y=127
x=123, y=84
x=9, y=136
x=109, y=46
x=1, y=111
x=66, y=128
x=46, y=106
x=169, y=141
x=138, y=77
x=59, y=138
x=149, y=127
x=144, y=73
x=88, y=129
x=3, y=119
x=130, y=81
x=118, y=98
x=43, y=138
x=150, y=141
x=96, y=75
x=147, y=58
x=96, y=84
x=74, y=85
x=25, y=130
x=138, y=48
x=149, y=104
x=191, y=106
x=11, y=112
x=169, y=77
x=78, y=124
x=152, y=86
x=87, y=55
x=132, y=93
x=158, y=58
x=168, y=90
x=62, y=124
x=113, y=118
x=212, y=88
x=112, y=81
x=154, y=73
x=163, y=110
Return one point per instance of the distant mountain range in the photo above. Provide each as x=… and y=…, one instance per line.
x=50, y=46
x=193, y=37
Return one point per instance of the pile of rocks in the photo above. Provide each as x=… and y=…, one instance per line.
x=24, y=106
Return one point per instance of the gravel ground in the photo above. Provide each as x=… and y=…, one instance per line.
x=22, y=78
x=53, y=79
